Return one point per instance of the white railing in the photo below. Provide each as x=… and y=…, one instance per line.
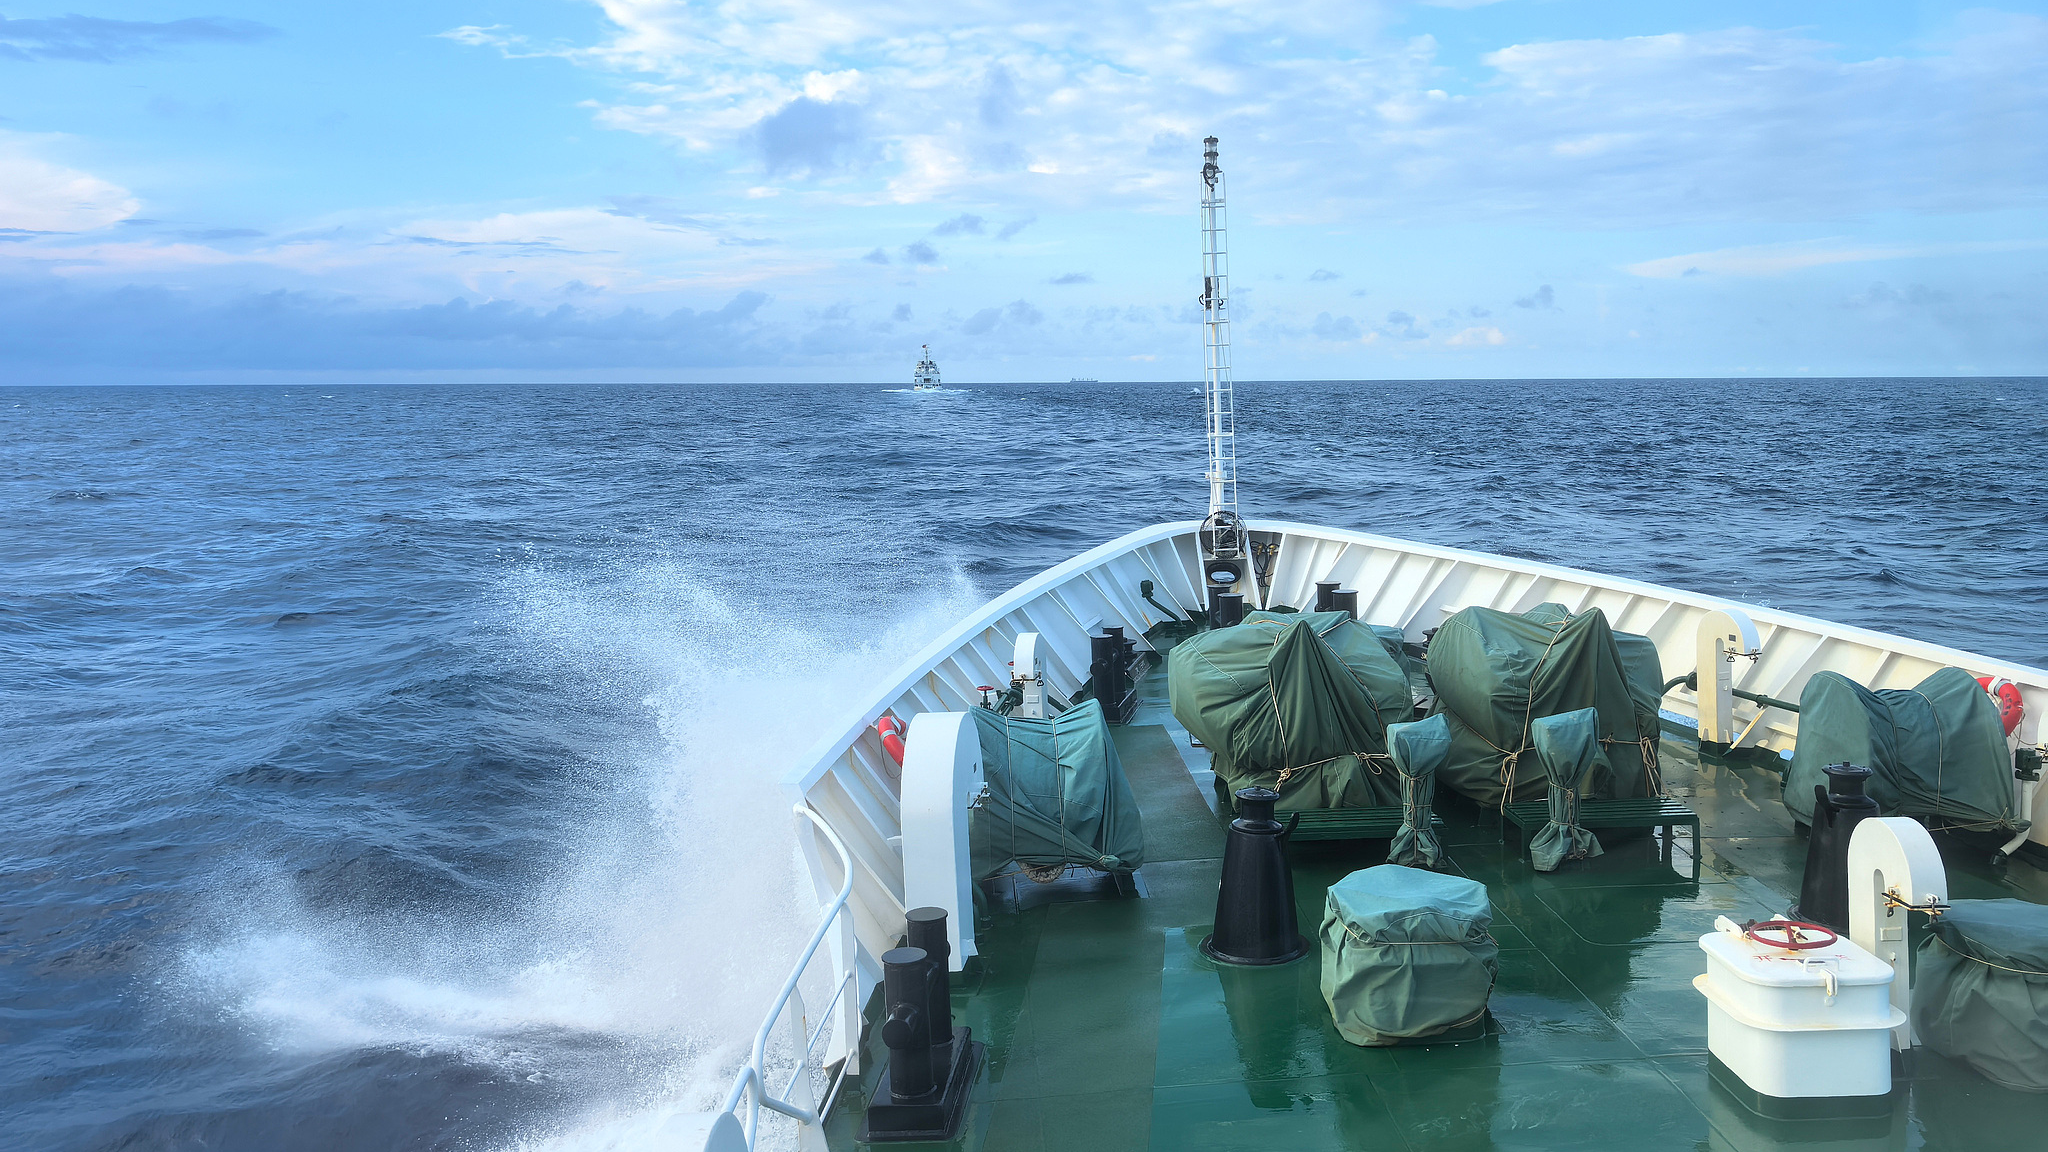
x=797, y=1100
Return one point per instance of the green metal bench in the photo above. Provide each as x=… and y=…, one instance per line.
x=1353, y=823
x=1528, y=816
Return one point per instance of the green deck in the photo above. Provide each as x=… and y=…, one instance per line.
x=1108, y=1030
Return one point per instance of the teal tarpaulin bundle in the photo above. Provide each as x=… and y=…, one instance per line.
x=1057, y=795
x=1298, y=703
x=1407, y=954
x=1937, y=749
x=1568, y=746
x=1496, y=672
x=1419, y=749
x=1981, y=992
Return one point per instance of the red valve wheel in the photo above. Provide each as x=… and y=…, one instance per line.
x=1796, y=935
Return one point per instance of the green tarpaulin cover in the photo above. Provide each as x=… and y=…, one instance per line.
x=1407, y=954
x=1937, y=749
x=1568, y=746
x=1298, y=703
x=1981, y=993
x=1056, y=795
x=1495, y=672
x=1419, y=749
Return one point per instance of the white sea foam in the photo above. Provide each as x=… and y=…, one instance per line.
x=674, y=913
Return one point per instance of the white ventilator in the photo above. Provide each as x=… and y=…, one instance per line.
x=942, y=782
x=1027, y=675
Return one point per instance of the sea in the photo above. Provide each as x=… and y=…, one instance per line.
x=394, y=767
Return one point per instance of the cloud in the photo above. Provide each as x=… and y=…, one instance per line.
x=221, y=234
x=1324, y=274
x=1401, y=326
x=979, y=323
x=102, y=41
x=1477, y=337
x=920, y=252
x=1541, y=298
x=156, y=328
x=1776, y=259
x=1016, y=226
x=1735, y=123
x=901, y=313
x=965, y=222
x=1327, y=327
x=1073, y=278
x=38, y=196
x=877, y=257
x=1915, y=296
x=811, y=138
x=1021, y=312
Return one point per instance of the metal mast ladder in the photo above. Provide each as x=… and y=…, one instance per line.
x=1216, y=344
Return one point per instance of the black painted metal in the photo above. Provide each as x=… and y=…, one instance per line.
x=926, y=931
x=1837, y=809
x=1345, y=600
x=906, y=973
x=1255, y=918
x=1229, y=610
x=1325, y=589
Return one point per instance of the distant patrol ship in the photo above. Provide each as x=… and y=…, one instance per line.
x=926, y=378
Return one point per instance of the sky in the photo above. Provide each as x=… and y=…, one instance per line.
x=238, y=190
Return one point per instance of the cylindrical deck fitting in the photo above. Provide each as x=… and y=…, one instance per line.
x=1325, y=589
x=1227, y=609
x=1106, y=665
x=1345, y=600
x=1255, y=917
x=1837, y=809
x=926, y=931
x=906, y=974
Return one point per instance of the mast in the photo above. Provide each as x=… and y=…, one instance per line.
x=1226, y=535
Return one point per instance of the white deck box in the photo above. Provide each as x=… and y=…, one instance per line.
x=1771, y=1020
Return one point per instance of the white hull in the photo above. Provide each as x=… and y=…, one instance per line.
x=853, y=785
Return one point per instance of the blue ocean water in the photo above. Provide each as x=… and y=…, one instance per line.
x=393, y=767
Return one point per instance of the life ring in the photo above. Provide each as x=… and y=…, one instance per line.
x=1796, y=935
x=2006, y=694
x=891, y=731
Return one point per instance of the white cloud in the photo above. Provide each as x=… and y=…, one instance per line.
x=1775, y=259
x=1325, y=114
x=38, y=196
x=1477, y=337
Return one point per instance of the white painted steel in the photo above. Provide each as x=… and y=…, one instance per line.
x=853, y=786
x=942, y=777
x=1221, y=402
x=1895, y=855
x=841, y=1018
x=1725, y=636
x=1027, y=673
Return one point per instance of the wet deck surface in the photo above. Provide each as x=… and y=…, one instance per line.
x=1107, y=1029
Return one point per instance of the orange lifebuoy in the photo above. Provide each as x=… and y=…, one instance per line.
x=891, y=731
x=2006, y=694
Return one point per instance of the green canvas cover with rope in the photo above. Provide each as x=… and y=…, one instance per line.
x=1407, y=954
x=1298, y=703
x=1418, y=749
x=1495, y=672
x=1568, y=745
x=1057, y=795
x=1980, y=993
x=1937, y=749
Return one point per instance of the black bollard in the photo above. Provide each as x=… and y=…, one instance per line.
x=927, y=931
x=1105, y=664
x=906, y=974
x=1325, y=589
x=1837, y=809
x=1255, y=917
x=923, y=1093
x=1345, y=601
x=1226, y=609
